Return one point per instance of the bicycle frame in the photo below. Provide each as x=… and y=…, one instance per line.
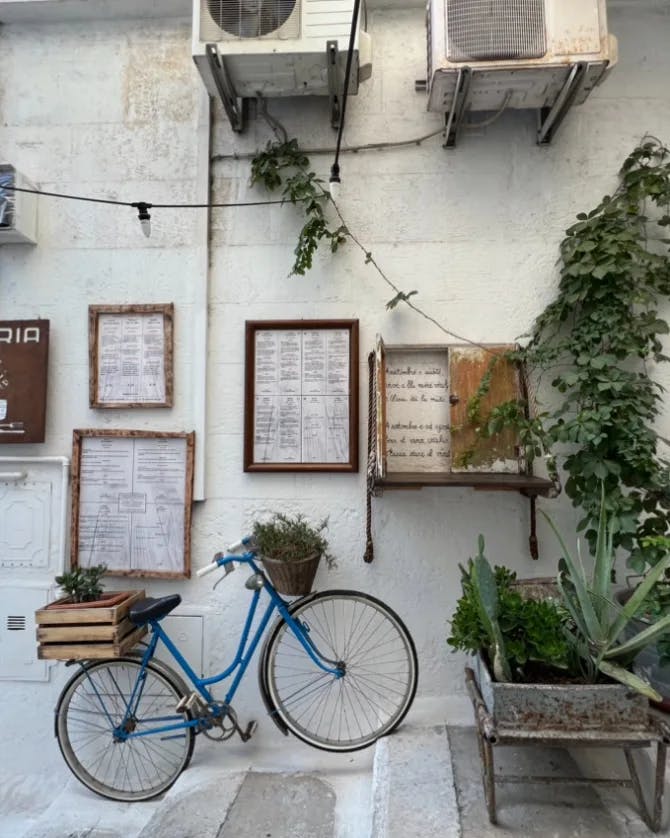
x=245, y=651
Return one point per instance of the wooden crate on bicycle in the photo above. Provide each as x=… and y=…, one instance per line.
x=84, y=631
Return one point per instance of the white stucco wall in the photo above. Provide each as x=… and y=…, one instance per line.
x=111, y=109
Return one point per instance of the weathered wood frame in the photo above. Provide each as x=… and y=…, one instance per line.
x=78, y=437
x=94, y=312
x=476, y=479
x=254, y=326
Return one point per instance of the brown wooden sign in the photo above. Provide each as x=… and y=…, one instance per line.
x=24, y=352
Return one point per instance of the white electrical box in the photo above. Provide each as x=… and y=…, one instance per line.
x=18, y=210
x=18, y=655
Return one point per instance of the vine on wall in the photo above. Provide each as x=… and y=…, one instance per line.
x=596, y=340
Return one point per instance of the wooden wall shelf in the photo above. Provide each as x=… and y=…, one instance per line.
x=524, y=483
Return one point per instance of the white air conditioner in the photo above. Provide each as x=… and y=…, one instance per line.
x=18, y=210
x=247, y=48
x=491, y=55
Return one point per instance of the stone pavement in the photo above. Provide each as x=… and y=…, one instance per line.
x=422, y=782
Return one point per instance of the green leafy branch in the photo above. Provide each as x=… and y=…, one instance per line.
x=283, y=164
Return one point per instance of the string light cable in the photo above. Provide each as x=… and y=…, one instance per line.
x=334, y=181
x=142, y=207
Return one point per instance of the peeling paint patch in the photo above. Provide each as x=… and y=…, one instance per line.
x=158, y=84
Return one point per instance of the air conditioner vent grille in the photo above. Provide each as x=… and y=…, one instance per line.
x=485, y=30
x=240, y=19
x=7, y=197
x=16, y=623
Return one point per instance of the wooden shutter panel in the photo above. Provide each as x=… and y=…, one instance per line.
x=467, y=366
x=380, y=398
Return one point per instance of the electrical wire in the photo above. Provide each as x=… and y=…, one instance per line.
x=136, y=204
x=486, y=122
x=352, y=149
x=335, y=168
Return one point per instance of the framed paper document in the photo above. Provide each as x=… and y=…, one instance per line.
x=130, y=351
x=131, y=502
x=301, y=404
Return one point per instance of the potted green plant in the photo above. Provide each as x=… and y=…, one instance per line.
x=291, y=549
x=546, y=664
x=82, y=584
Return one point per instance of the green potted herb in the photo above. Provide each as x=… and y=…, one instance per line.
x=82, y=584
x=291, y=549
x=83, y=588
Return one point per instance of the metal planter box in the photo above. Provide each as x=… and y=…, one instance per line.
x=569, y=707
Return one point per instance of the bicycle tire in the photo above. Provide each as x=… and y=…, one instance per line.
x=381, y=671
x=93, y=701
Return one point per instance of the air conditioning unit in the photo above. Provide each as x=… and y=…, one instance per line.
x=249, y=48
x=18, y=210
x=491, y=55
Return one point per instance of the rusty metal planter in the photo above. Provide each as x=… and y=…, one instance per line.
x=571, y=707
x=571, y=715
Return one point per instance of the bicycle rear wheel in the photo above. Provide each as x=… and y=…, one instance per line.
x=94, y=703
x=379, y=658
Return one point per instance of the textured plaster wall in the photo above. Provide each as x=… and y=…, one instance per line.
x=111, y=109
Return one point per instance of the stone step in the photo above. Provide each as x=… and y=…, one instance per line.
x=413, y=791
x=250, y=804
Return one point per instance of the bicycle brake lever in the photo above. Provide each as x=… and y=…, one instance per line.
x=229, y=568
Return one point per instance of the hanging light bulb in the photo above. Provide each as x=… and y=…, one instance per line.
x=144, y=216
x=335, y=183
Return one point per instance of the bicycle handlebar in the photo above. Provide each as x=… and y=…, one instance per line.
x=233, y=548
x=207, y=569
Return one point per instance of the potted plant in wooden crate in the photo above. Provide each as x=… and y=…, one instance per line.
x=86, y=622
x=291, y=549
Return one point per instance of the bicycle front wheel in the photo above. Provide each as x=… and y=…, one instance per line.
x=377, y=653
x=95, y=702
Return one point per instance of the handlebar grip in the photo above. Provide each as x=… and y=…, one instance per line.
x=207, y=569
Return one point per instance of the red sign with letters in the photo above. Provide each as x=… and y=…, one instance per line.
x=24, y=353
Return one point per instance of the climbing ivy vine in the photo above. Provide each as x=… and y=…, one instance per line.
x=596, y=341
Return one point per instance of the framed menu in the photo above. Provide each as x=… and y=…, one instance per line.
x=131, y=502
x=301, y=405
x=130, y=351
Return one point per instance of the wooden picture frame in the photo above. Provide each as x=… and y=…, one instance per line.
x=130, y=355
x=301, y=395
x=132, y=493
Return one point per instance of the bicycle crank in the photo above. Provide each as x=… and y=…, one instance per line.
x=246, y=734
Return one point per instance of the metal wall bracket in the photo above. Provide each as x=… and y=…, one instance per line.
x=550, y=119
x=233, y=105
x=454, y=117
x=334, y=86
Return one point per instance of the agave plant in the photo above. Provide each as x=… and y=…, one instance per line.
x=599, y=622
x=483, y=582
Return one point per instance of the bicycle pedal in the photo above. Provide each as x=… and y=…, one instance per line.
x=191, y=702
x=249, y=732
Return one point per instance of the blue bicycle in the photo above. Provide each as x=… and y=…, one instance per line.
x=338, y=669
